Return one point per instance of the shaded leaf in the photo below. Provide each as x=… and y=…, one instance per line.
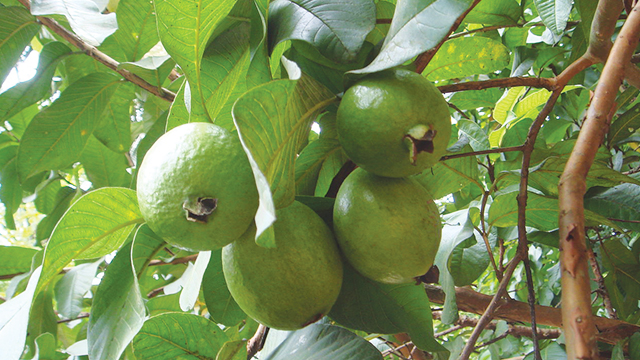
x=554, y=13
x=471, y=100
x=103, y=166
x=310, y=162
x=620, y=202
x=153, y=69
x=10, y=191
x=191, y=284
x=58, y=134
x=417, y=26
x=220, y=304
x=494, y=12
x=466, y=56
x=15, y=259
x=70, y=290
x=478, y=138
x=337, y=28
x=447, y=177
x=176, y=335
x=17, y=28
x=85, y=17
x=624, y=126
x=114, y=127
x=322, y=341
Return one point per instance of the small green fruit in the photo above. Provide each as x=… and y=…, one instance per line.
x=292, y=285
x=195, y=187
x=394, y=123
x=388, y=229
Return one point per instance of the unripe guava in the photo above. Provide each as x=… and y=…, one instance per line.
x=394, y=123
x=292, y=285
x=387, y=228
x=195, y=187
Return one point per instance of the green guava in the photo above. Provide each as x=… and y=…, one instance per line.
x=292, y=285
x=387, y=228
x=195, y=187
x=394, y=123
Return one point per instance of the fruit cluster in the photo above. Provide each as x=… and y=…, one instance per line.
x=197, y=191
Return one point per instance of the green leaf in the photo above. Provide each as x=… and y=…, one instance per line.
x=634, y=346
x=471, y=100
x=57, y=135
x=17, y=28
x=467, y=263
x=322, y=341
x=29, y=92
x=15, y=259
x=233, y=350
x=542, y=212
x=164, y=303
x=153, y=69
x=103, y=166
x=528, y=105
x=310, y=162
x=118, y=310
x=427, y=20
x=273, y=120
x=95, y=225
x=478, y=138
x=179, y=113
x=176, y=335
x=337, y=28
x=63, y=199
x=494, y=12
x=14, y=318
x=42, y=318
x=191, y=284
x=447, y=177
x=114, y=127
x=220, y=304
x=45, y=348
x=366, y=305
x=70, y=290
x=624, y=126
x=85, y=18
x=554, y=13
x=185, y=27
x=136, y=34
x=621, y=202
x=466, y=56
x=10, y=191
x=507, y=102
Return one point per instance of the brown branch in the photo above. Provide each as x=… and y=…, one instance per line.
x=544, y=83
x=515, y=330
x=580, y=330
x=100, y=56
x=414, y=352
x=602, y=289
x=610, y=331
x=256, y=343
x=423, y=59
x=482, y=152
x=80, y=316
x=490, y=310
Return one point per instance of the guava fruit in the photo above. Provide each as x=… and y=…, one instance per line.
x=394, y=123
x=195, y=187
x=292, y=285
x=387, y=228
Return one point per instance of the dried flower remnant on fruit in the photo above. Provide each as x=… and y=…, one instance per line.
x=420, y=139
x=201, y=209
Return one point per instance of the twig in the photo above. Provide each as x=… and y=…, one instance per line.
x=423, y=59
x=602, y=289
x=256, y=343
x=415, y=355
x=181, y=260
x=100, y=56
x=494, y=340
x=576, y=311
x=80, y=316
x=610, y=331
x=482, y=152
x=485, y=236
x=544, y=83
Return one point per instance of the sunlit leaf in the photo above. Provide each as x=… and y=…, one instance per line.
x=17, y=27
x=495, y=12
x=554, y=13
x=136, y=34
x=70, y=290
x=15, y=259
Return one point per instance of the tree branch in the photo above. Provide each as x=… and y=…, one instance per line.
x=610, y=331
x=482, y=152
x=544, y=83
x=578, y=321
x=100, y=56
x=256, y=343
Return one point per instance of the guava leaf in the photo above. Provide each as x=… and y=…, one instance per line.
x=466, y=56
x=417, y=26
x=554, y=13
x=322, y=341
x=191, y=285
x=118, y=310
x=471, y=100
x=624, y=126
x=29, y=92
x=337, y=28
x=103, y=166
x=456, y=229
x=507, y=102
x=10, y=191
x=478, y=138
x=176, y=335
x=273, y=121
x=309, y=163
x=494, y=12
x=449, y=176
x=136, y=34
x=374, y=307
x=42, y=318
x=114, y=129
x=17, y=28
x=70, y=290
x=185, y=27
x=621, y=202
x=179, y=112
x=85, y=18
x=220, y=304
x=58, y=134
x=153, y=69
x=15, y=259
x=95, y=225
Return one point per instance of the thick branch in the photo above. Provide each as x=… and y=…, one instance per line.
x=610, y=331
x=578, y=321
x=100, y=56
x=544, y=83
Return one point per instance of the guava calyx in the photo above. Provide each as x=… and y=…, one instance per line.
x=200, y=209
x=420, y=139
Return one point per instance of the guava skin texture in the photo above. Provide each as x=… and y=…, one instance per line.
x=195, y=187
x=292, y=285
x=394, y=123
x=387, y=228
